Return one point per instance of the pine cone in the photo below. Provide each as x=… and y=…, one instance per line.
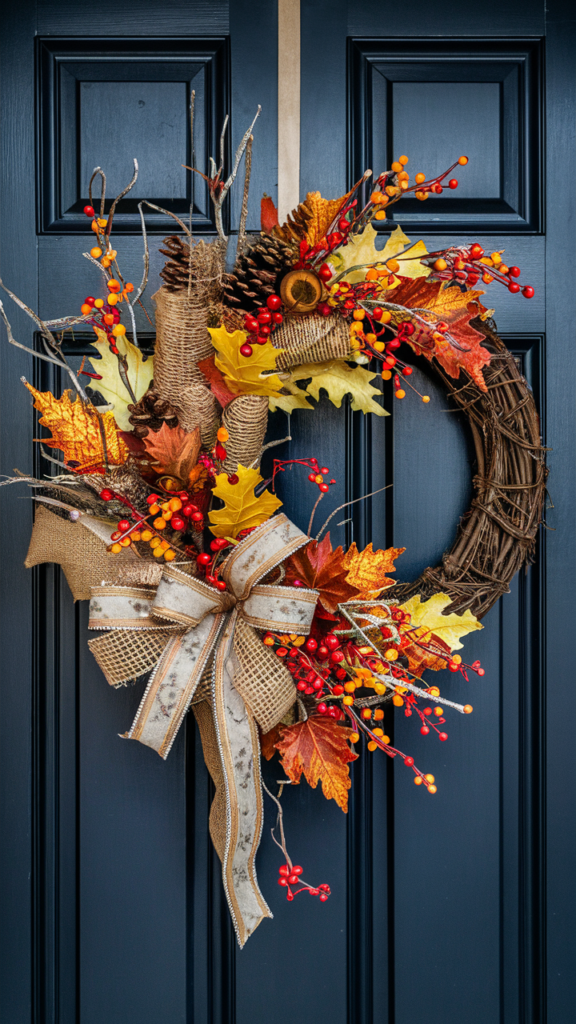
x=296, y=227
x=176, y=273
x=257, y=272
x=151, y=412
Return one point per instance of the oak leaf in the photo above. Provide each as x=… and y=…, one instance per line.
x=245, y=375
x=367, y=569
x=448, y=628
x=324, y=570
x=456, y=308
x=294, y=398
x=77, y=430
x=175, y=452
x=140, y=373
x=361, y=253
x=323, y=213
x=319, y=748
x=338, y=379
x=242, y=509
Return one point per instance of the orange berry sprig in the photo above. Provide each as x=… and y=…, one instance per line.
x=468, y=264
x=316, y=476
x=174, y=513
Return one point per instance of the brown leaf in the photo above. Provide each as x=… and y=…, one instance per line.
x=435, y=658
x=268, y=213
x=174, y=451
x=367, y=569
x=323, y=213
x=324, y=570
x=319, y=748
x=268, y=741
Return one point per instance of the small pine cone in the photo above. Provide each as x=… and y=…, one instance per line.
x=257, y=273
x=177, y=271
x=151, y=412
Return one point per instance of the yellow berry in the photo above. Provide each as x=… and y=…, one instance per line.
x=386, y=740
x=356, y=327
x=222, y=434
x=175, y=504
x=154, y=509
x=378, y=345
x=136, y=535
x=167, y=516
x=164, y=545
x=366, y=713
x=155, y=542
x=403, y=160
x=426, y=398
x=432, y=789
x=379, y=714
x=380, y=215
x=434, y=691
x=463, y=160
x=372, y=746
x=386, y=317
x=380, y=688
x=456, y=659
x=430, y=778
x=496, y=258
x=169, y=555
x=440, y=264
x=125, y=542
x=420, y=178
x=349, y=687
x=159, y=524
x=438, y=711
x=378, y=732
x=359, y=314
x=417, y=780
x=371, y=338
x=348, y=700
x=397, y=700
x=99, y=303
x=400, y=393
x=386, y=374
x=96, y=252
x=112, y=300
x=391, y=654
x=111, y=254
x=404, y=184
x=396, y=167
x=158, y=552
x=468, y=709
x=119, y=330
x=85, y=309
x=147, y=534
x=355, y=343
x=116, y=548
x=354, y=737
x=377, y=197
x=393, y=266
x=372, y=274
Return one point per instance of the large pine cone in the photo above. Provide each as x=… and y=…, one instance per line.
x=151, y=412
x=296, y=226
x=257, y=273
x=176, y=273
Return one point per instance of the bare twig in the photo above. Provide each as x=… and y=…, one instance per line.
x=244, y=210
x=346, y=503
x=118, y=198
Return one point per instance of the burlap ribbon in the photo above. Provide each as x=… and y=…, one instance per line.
x=248, y=682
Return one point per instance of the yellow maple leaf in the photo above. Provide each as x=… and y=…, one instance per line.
x=323, y=213
x=428, y=614
x=242, y=509
x=361, y=252
x=338, y=378
x=76, y=430
x=245, y=375
x=112, y=387
x=367, y=569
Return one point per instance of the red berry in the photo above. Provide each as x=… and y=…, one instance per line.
x=322, y=709
x=211, y=580
x=443, y=735
x=311, y=645
x=452, y=183
x=264, y=334
x=528, y=291
x=293, y=879
x=152, y=499
x=476, y=252
x=89, y=211
x=220, y=451
x=273, y=302
x=409, y=761
x=481, y=672
x=233, y=478
x=323, y=897
x=263, y=316
x=333, y=240
x=297, y=870
x=196, y=517
x=204, y=559
x=251, y=324
x=513, y=272
x=324, y=488
x=115, y=535
x=221, y=584
x=336, y=657
x=177, y=523
x=90, y=301
x=323, y=309
x=377, y=313
x=322, y=652
x=472, y=279
x=406, y=371
x=246, y=350
x=123, y=525
x=343, y=224
x=337, y=690
x=106, y=495
x=331, y=641
x=513, y=287
x=301, y=686
x=312, y=477
x=283, y=881
x=424, y=730
x=187, y=510
x=277, y=318
x=325, y=272
x=261, y=339
x=341, y=673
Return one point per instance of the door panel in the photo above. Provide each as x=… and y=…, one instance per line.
x=444, y=909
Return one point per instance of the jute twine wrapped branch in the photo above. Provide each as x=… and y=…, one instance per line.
x=245, y=419
x=498, y=535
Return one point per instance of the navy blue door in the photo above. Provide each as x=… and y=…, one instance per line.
x=447, y=909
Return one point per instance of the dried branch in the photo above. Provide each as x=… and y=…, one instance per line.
x=118, y=198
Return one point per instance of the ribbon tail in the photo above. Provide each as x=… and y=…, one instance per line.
x=239, y=747
x=172, y=685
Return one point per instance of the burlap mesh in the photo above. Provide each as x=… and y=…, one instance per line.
x=125, y=654
x=81, y=553
x=263, y=682
x=217, y=824
x=245, y=419
x=311, y=339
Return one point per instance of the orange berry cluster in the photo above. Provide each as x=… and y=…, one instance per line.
x=177, y=512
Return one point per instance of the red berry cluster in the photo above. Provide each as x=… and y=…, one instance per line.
x=260, y=325
x=208, y=563
x=174, y=511
x=315, y=477
x=291, y=876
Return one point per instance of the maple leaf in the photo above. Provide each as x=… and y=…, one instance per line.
x=268, y=741
x=175, y=452
x=367, y=569
x=420, y=659
x=111, y=387
x=216, y=381
x=244, y=375
x=77, y=431
x=319, y=748
x=361, y=252
x=268, y=213
x=324, y=570
x=448, y=628
x=456, y=308
x=323, y=213
x=242, y=509
x=338, y=378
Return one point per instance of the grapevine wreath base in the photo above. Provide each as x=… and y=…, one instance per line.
x=158, y=513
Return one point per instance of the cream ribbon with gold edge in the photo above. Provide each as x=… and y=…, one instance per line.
x=197, y=628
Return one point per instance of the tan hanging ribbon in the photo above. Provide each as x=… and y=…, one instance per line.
x=249, y=683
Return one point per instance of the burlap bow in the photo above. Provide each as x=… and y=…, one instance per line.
x=202, y=629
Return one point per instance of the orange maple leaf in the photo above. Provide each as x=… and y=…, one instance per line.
x=77, y=430
x=367, y=569
x=455, y=308
x=323, y=213
x=319, y=748
x=434, y=655
x=268, y=741
x=175, y=452
x=324, y=570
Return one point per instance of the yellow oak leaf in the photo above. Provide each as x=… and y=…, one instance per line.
x=323, y=213
x=111, y=387
x=77, y=431
x=245, y=375
x=295, y=399
x=242, y=509
x=367, y=569
x=449, y=628
x=361, y=253
x=338, y=378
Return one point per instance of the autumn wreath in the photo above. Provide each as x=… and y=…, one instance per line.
x=159, y=514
